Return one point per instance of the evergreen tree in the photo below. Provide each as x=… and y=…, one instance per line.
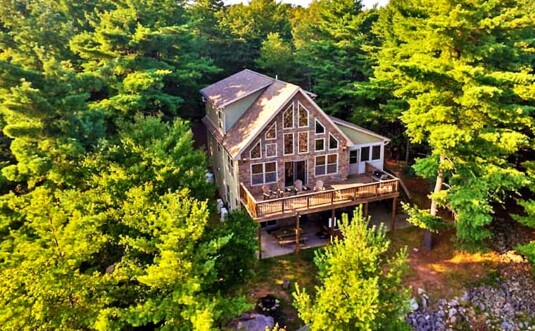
x=360, y=286
x=464, y=70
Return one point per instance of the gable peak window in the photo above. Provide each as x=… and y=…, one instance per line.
x=320, y=129
x=256, y=151
x=271, y=133
x=288, y=117
x=333, y=142
x=302, y=116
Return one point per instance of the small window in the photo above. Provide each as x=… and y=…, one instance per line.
x=302, y=116
x=256, y=152
x=288, y=117
x=288, y=143
x=333, y=142
x=257, y=174
x=353, y=157
x=320, y=129
x=365, y=154
x=272, y=132
x=271, y=150
x=230, y=163
x=376, y=152
x=320, y=145
x=303, y=142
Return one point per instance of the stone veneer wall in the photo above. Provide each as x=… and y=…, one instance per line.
x=343, y=163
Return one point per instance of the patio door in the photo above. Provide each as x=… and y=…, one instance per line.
x=293, y=171
x=354, y=161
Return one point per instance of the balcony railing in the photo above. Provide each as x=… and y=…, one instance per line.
x=305, y=203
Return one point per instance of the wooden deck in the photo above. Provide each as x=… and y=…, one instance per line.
x=354, y=191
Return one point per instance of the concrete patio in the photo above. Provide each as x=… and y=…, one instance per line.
x=378, y=212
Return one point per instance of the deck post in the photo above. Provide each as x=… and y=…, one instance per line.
x=394, y=205
x=332, y=224
x=365, y=210
x=297, y=245
x=259, y=242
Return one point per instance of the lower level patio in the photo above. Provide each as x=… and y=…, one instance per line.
x=279, y=237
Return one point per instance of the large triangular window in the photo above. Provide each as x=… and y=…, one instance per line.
x=256, y=152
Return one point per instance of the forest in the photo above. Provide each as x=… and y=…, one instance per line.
x=107, y=220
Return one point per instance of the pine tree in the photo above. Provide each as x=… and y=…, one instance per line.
x=360, y=285
x=464, y=70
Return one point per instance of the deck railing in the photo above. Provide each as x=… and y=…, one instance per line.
x=317, y=201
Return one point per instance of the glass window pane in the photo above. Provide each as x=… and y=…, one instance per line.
x=271, y=150
x=288, y=143
x=320, y=145
x=320, y=160
x=271, y=177
x=272, y=132
x=256, y=152
x=320, y=170
x=303, y=142
x=302, y=116
x=257, y=179
x=271, y=166
x=365, y=154
x=333, y=143
x=319, y=128
x=331, y=158
x=257, y=168
x=289, y=118
x=376, y=152
x=353, y=157
x=331, y=169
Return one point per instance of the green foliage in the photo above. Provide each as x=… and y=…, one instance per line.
x=277, y=58
x=446, y=60
x=360, y=285
x=423, y=219
x=236, y=260
x=527, y=250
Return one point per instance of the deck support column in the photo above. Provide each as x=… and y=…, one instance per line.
x=394, y=205
x=259, y=242
x=297, y=239
x=366, y=210
x=332, y=224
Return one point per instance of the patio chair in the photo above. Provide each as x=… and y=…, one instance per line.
x=298, y=186
x=319, y=185
x=266, y=192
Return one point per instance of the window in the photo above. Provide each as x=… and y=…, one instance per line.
x=320, y=145
x=220, y=118
x=376, y=152
x=230, y=163
x=271, y=150
x=353, y=157
x=303, y=142
x=326, y=164
x=333, y=142
x=320, y=129
x=332, y=163
x=288, y=143
x=256, y=152
x=288, y=117
x=272, y=132
x=302, y=116
x=365, y=154
x=264, y=173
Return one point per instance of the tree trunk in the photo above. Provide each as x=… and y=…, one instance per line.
x=407, y=152
x=428, y=239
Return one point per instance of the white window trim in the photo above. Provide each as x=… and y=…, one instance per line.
x=292, y=109
x=380, y=152
x=274, y=125
x=323, y=126
x=284, y=144
x=299, y=107
x=251, y=151
x=266, y=148
x=319, y=150
x=329, y=143
x=326, y=164
x=264, y=173
x=299, y=145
